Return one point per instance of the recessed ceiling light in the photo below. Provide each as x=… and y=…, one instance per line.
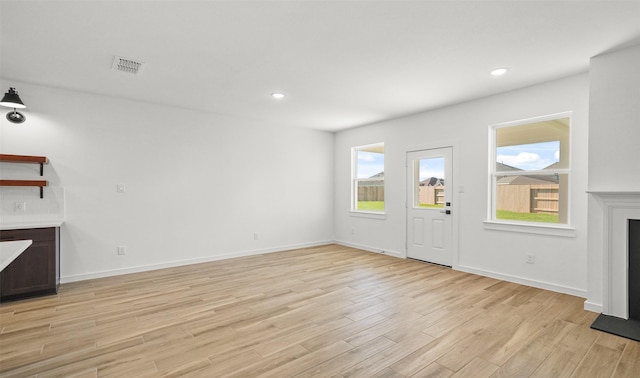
x=499, y=71
x=277, y=95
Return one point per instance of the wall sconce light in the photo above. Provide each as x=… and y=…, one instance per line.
x=12, y=100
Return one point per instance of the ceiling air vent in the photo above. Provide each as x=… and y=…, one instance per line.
x=127, y=65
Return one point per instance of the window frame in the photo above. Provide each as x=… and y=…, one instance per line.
x=355, y=180
x=491, y=222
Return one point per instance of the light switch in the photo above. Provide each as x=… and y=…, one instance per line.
x=121, y=188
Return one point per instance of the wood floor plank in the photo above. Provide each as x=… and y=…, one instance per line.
x=230, y=362
x=449, y=323
x=387, y=373
x=322, y=311
x=195, y=368
x=463, y=353
x=269, y=363
x=70, y=373
x=382, y=328
x=346, y=360
x=600, y=361
x=308, y=361
x=372, y=365
x=477, y=368
x=567, y=355
x=518, y=339
x=630, y=362
x=434, y=370
x=542, y=345
x=518, y=365
x=560, y=363
x=342, y=333
x=429, y=353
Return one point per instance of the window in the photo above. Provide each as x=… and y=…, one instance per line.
x=529, y=171
x=367, y=177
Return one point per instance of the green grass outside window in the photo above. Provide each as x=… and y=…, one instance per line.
x=526, y=217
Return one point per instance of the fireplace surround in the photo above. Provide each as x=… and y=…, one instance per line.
x=620, y=220
x=634, y=269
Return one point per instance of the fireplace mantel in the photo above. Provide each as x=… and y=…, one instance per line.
x=615, y=194
x=617, y=206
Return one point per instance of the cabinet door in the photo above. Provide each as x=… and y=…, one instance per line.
x=33, y=271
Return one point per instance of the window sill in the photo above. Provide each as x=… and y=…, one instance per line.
x=367, y=214
x=539, y=229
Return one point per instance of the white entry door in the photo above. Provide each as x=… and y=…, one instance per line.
x=429, y=206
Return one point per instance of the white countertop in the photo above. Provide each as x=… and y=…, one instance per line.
x=10, y=250
x=40, y=223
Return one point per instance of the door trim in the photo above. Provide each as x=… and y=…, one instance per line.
x=458, y=199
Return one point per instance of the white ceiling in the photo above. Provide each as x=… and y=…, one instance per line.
x=340, y=63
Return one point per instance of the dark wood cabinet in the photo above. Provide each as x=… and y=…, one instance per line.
x=36, y=271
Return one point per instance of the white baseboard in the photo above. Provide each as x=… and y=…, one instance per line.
x=172, y=264
x=504, y=277
x=525, y=281
x=593, y=307
x=370, y=249
x=481, y=272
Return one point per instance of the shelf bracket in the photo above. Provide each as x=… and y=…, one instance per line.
x=41, y=192
x=41, y=169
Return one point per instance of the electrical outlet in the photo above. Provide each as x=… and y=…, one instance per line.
x=19, y=207
x=256, y=236
x=531, y=258
x=122, y=250
x=121, y=188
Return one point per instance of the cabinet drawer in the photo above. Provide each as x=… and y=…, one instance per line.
x=35, y=234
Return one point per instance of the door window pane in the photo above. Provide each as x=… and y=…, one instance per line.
x=431, y=183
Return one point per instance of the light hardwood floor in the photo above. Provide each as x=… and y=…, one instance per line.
x=324, y=311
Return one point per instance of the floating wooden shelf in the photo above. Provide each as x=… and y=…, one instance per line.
x=25, y=159
x=24, y=183
x=39, y=183
x=29, y=160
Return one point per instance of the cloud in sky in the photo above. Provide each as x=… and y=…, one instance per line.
x=369, y=164
x=366, y=157
x=523, y=158
x=431, y=167
x=534, y=156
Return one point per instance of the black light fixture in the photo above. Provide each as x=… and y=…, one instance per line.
x=12, y=100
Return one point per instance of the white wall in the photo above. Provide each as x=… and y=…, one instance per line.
x=614, y=118
x=198, y=185
x=561, y=262
x=614, y=145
